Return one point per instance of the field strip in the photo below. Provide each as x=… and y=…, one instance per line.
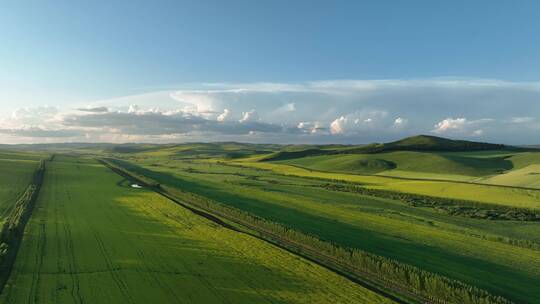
x=13, y=228
x=486, y=193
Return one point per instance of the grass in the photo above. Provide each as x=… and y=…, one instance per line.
x=449, y=163
x=448, y=189
x=478, y=252
x=15, y=177
x=94, y=239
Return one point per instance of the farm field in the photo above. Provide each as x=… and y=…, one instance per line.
x=500, y=256
x=92, y=238
x=514, y=197
x=16, y=174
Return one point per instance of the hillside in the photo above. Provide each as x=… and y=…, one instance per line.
x=429, y=143
x=420, y=143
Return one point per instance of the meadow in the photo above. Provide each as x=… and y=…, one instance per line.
x=16, y=174
x=93, y=238
x=498, y=256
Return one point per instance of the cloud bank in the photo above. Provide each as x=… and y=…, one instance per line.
x=340, y=111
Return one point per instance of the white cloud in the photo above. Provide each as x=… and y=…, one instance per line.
x=338, y=125
x=478, y=132
x=450, y=124
x=522, y=120
x=310, y=127
x=249, y=116
x=400, y=122
x=462, y=126
x=290, y=107
x=223, y=116
x=134, y=109
x=360, y=110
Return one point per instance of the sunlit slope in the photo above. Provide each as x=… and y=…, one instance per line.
x=481, y=193
x=94, y=239
x=439, y=163
x=195, y=150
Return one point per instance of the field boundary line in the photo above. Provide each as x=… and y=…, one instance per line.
x=12, y=231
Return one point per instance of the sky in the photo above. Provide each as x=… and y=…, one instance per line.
x=269, y=71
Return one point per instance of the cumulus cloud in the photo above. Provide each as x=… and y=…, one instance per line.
x=351, y=111
x=461, y=126
x=338, y=125
x=138, y=121
x=223, y=116
x=450, y=124
x=249, y=116
x=400, y=122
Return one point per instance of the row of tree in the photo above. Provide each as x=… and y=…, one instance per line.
x=465, y=208
x=13, y=228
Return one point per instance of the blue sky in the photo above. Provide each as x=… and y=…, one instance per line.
x=418, y=58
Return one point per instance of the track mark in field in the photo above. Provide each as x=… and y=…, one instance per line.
x=33, y=295
x=122, y=286
x=148, y=266
x=72, y=261
x=152, y=211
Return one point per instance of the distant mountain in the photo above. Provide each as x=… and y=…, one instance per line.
x=420, y=143
x=429, y=143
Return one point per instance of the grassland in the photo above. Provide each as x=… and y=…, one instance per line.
x=92, y=238
x=514, y=197
x=498, y=256
x=16, y=171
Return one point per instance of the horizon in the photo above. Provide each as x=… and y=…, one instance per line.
x=262, y=143
x=352, y=73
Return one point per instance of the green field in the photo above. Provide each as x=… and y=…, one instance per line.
x=465, y=215
x=94, y=239
x=15, y=176
x=480, y=252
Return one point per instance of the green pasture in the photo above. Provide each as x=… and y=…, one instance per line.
x=459, y=190
x=94, y=239
x=15, y=176
x=479, y=252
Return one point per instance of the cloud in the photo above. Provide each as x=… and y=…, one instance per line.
x=478, y=132
x=400, y=122
x=223, y=116
x=290, y=107
x=94, y=109
x=350, y=111
x=249, y=116
x=338, y=125
x=35, y=132
x=310, y=127
x=450, y=124
x=522, y=120
x=138, y=121
x=461, y=126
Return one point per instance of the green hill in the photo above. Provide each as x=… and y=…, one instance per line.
x=428, y=143
x=420, y=143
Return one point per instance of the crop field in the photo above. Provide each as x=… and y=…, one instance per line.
x=499, y=256
x=527, y=198
x=94, y=239
x=15, y=175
